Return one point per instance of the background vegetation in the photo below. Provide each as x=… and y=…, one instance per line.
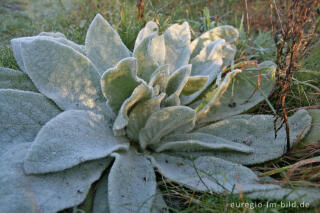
x=72, y=17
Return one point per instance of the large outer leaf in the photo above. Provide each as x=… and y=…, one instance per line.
x=314, y=135
x=62, y=74
x=132, y=183
x=151, y=27
x=209, y=63
x=208, y=174
x=306, y=195
x=198, y=142
x=57, y=37
x=14, y=79
x=47, y=193
x=140, y=114
x=257, y=131
x=119, y=82
x=73, y=137
x=141, y=93
x=159, y=205
x=53, y=34
x=228, y=33
x=150, y=54
x=165, y=121
x=101, y=201
x=238, y=93
x=104, y=46
x=177, y=40
x=22, y=114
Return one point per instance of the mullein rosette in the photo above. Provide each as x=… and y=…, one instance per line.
x=77, y=114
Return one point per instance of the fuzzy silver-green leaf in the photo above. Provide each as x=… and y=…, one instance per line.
x=63, y=74
x=22, y=114
x=104, y=46
x=71, y=138
x=132, y=183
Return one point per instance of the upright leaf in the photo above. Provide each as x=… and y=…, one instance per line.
x=141, y=93
x=239, y=92
x=119, y=82
x=139, y=115
x=177, y=41
x=151, y=27
x=104, y=46
x=228, y=33
x=209, y=63
x=150, y=54
x=62, y=74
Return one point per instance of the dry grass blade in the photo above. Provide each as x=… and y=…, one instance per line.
x=301, y=163
x=256, y=88
x=140, y=6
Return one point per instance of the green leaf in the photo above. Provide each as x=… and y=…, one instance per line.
x=141, y=93
x=57, y=37
x=151, y=27
x=178, y=79
x=150, y=54
x=160, y=77
x=228, y=33
x=119, y=82
x=210, y=63
x=53, y=34
x=208, y=174
x=61, y=38
x=46, y=193
x=140, y=114
x=104, y=46
x=239, y=92
x=177, y=45
x=194, y=84
x=216, y=93
x=22, y=114
x=132, y=183
x=198, y=142
x=71, y=138
x=257, y=131
x=163, y=122
x=14, y=79
x=63, y=74
x=172, y=100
